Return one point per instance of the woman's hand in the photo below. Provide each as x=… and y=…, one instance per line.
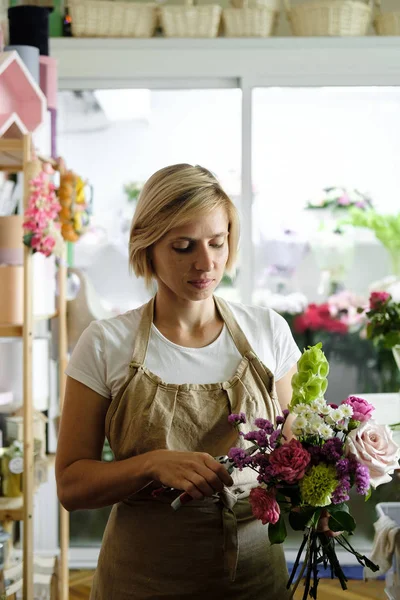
x=196, y=473
x=323, y=525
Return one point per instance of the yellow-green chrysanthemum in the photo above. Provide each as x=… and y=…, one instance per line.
x=318, y=485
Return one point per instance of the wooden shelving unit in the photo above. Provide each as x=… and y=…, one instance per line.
x=15, y=155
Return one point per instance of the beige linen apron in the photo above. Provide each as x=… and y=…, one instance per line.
x=212, y=548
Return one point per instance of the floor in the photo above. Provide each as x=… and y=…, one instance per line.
x=80, y=582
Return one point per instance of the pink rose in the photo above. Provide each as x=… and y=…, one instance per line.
x=372, y=445
x=289, y=461
x=264, y=505
x=376, y=299
x=362, y=410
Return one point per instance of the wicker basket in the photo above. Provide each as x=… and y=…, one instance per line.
x=386, y=23
x=330, y=17
x=259, y=20
x=106, y=18
x=190, y=21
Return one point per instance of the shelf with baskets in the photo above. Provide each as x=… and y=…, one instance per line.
x=243, y=18
x=16, y=156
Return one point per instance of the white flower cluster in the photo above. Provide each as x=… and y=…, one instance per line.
x=319, y=419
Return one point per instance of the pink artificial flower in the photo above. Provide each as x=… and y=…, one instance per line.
x=289, y=461
x=362, y=410
x=48, y=243
x=344, y=200
x=36, y=242
x=264, y=505
x=376, y=299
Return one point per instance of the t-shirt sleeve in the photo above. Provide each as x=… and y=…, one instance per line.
x=87, y=363
x=286, y=350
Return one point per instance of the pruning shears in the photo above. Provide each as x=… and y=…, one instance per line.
x=223, y=460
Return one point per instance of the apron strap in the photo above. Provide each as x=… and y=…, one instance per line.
x=236, y=333
x=143, y=335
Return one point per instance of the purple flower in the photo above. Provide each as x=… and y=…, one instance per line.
x=343, y=467
x=274, y=438
x=341, y=493
x=239, y=457
x=265, y=425
x=315, y=453
x=280, y=420
x=361, y=479
x=332, y=450
x=285, y=413
x=237, y=419
x=258, y=437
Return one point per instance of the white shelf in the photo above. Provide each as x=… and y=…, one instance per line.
x=90, y=63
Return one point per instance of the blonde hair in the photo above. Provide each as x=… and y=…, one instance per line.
x=172, y=197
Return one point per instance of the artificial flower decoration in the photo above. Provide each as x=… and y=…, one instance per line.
x=339, y=199
x=41, y=226
x=75, y=210
x=337, y=448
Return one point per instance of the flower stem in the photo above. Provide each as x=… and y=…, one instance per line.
x=296, y=562
x=296, y=584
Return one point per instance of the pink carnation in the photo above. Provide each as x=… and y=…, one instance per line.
x=264, y=505
x=362, y=410
x=289, y=461
x=376, y=299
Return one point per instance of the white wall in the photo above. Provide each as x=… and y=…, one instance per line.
x=303, y=140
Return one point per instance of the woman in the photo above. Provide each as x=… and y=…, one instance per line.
x=160, y=381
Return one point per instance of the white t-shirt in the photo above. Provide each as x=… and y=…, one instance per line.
x=102, y=355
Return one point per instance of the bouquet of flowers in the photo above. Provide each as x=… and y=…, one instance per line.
x=383, y=326
x=309, y=478
x=340, y=198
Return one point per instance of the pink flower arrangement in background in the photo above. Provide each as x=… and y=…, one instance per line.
x=42, y=230
x=339, y=314
x=377, y=299
x=383, y=320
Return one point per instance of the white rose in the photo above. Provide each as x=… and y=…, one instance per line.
x=372, y=445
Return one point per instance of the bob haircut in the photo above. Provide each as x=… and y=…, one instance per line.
x=172, y=197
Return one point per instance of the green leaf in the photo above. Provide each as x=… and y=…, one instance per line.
x=277, y=533
x=368, y=494
x=341, y=521
x=27, y=238
x=313, y=522
x=334, y=508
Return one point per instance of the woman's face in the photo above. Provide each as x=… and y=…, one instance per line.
x=190, y=260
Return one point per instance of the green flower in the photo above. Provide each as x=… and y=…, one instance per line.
x=318, y=485
x=314, y=360
x=310, y=382
x=307, y=391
